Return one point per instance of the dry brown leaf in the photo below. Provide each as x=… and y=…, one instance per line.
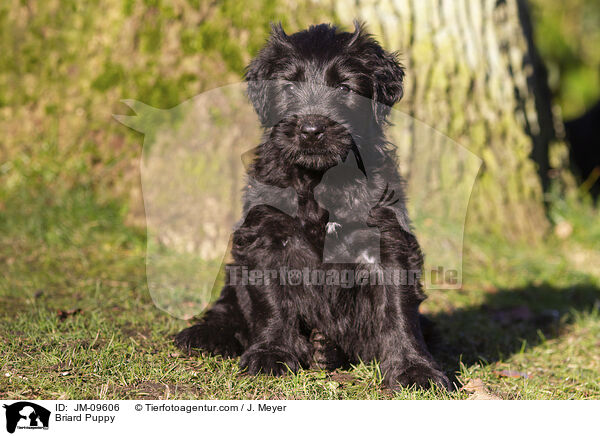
x=478, y=390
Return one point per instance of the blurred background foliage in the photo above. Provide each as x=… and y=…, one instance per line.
x=567, y=35
x=65, y=65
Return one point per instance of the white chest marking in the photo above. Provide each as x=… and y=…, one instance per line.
x=332, y=227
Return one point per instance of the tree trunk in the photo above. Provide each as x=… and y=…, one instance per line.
x=473, y=74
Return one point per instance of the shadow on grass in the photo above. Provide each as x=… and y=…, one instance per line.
x=508, y=321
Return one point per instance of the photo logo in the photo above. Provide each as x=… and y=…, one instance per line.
x=26, y=415
x=198, y=188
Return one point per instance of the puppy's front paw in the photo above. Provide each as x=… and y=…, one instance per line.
x=215, y=341
x=416, y=374
x=272, y=361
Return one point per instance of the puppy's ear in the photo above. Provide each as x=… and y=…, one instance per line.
x=258, y=73
x=388, y=74
x=388, y=84
x=258, y=88
x=278, y=34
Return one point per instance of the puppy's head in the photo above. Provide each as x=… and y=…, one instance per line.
x=321, y=91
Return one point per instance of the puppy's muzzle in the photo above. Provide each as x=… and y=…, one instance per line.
x=312, y=129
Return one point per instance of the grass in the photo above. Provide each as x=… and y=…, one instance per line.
x=77, y=320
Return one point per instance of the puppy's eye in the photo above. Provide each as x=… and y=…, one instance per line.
x=289, y=87
x=344, y=88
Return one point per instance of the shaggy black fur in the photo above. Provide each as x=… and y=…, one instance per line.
x=323, y=97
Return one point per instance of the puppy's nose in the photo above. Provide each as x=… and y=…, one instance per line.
x=312, y=129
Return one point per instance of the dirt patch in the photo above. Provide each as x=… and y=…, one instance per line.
x=151, y=390
x=343, y=378
x=64, y=314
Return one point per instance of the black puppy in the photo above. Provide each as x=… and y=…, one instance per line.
x=323, y=97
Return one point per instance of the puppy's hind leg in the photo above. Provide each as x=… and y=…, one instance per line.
x=222, y=330
x=326, y=355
